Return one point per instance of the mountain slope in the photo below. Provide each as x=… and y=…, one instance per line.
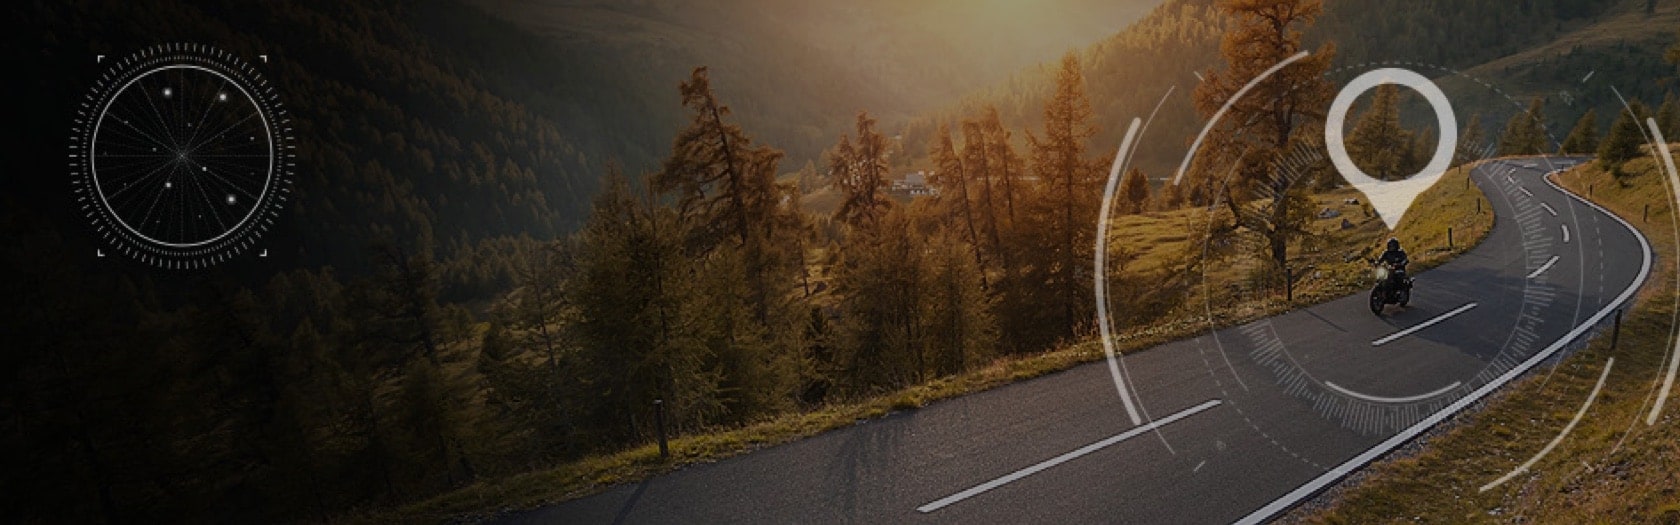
x=1524, y=49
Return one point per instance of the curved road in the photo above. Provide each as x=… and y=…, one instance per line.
x=1242, y=423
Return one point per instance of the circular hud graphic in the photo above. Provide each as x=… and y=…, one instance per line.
x=181, y=156
x=1294, y=370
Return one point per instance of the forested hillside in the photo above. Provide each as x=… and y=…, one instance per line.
x=425, y=172
x=797, y=70
x=1529, y=48
x=381, y=91
x=506, y=248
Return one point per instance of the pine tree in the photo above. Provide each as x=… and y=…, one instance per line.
x=951, y=178
x=1134, y=192
x=1418, y=151
x=1005, y=163
x=1624, y=140
x=638, y=326
x=1068, y=200
x=1668, y=118
x=1276, y=116
x=977, y=161
x=727, y=187
x=1470, y=142
x=860, y=170
x=1583, y=139
x=961, y=331
x=1525, y=134
x=1378, y=143
x=880, y=281
x=1171, y=197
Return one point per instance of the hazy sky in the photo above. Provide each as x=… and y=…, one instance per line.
x=981, y=39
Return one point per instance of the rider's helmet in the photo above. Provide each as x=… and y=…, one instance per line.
x=1393, y=244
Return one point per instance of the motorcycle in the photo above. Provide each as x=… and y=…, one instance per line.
x=1393, y=286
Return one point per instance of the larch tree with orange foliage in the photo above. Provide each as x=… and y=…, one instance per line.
x=1280, y=113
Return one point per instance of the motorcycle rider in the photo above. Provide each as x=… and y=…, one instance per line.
x=1394, y=257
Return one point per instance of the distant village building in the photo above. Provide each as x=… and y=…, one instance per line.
x=912, y=185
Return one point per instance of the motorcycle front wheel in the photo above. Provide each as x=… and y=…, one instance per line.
x=1377, y=300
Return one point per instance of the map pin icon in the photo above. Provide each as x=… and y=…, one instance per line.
x=1391, y=198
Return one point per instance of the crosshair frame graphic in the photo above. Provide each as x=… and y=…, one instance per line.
x=181, y=155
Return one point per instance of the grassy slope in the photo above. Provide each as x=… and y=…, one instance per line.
x=1157, y=238
x=1611, y=468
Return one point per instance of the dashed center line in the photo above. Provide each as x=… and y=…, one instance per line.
x=1426, y=324
x=1542, y=269
x=1081, y=451
x=1525, y=191
x=1549, y=209
x=1565, y=233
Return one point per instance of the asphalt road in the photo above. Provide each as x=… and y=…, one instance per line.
x=1239, y=423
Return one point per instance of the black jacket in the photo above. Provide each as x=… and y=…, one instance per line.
x=1395, y=258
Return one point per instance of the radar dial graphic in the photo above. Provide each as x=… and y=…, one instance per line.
x=181, y=156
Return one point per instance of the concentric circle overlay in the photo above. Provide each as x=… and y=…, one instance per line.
x=197, y=174
x=181, y=155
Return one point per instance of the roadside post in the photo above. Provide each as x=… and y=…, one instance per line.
x=659, y=421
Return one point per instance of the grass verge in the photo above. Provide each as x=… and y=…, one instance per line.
x=1610, y=468
x=1159, y=237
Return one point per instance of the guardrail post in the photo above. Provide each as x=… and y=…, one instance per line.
x=1449, y=238
x=659, y=421
x=1616, y=333
x=1646, y=217
x=1289, y=284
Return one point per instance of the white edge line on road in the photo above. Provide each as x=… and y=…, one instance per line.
x=1380, y=399
x=1101, y=271
x=1542, y=269
x=1426, y=324
x=1559, y=439
x=1565, y=233
x=1674, y=358
x=1549, y=209
x=1331, y=476
x=1081, y=451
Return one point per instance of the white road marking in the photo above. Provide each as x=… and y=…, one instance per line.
x=1198, y=467
x=1525, y=191
x=1565, y=233
x=1542, y=269
x=1549, y=209
x=1379, y=399
x=1081, y=451
x=1340, y=471
x=1559, y=439
x=1426, y=324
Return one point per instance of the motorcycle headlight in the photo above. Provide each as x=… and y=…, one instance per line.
x=1381, y=273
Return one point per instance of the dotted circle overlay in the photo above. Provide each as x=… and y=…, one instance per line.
x=242, y=80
